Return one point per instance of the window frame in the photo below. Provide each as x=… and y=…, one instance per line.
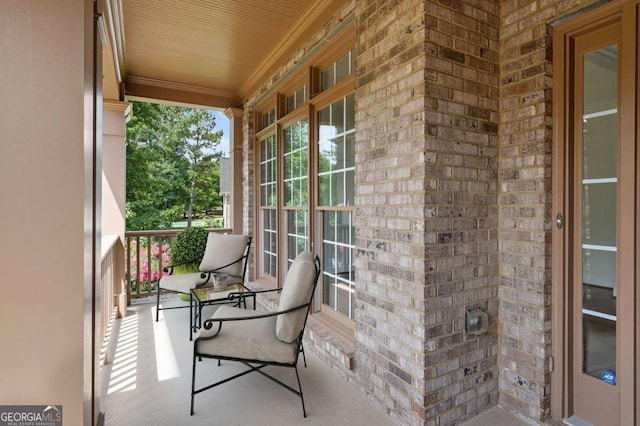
x=309, y=74
x=259, y=209
x=337, y=92
x=302, y=113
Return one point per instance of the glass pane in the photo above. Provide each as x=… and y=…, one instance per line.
x=343, y=67
x=350, y=112
x=337, y=249
x=350, y=188
x=272, y=195
x=599, y=268
x=600, y=136
x=599, y=214
x=296, y=159
x=328, y=77
x=301, y=96
x=325, y=155
x=269, y=256
x=336, y=148
x=268, y=171
x=337, y=116
x=350, y=150
x=599, y=217
x=339, y=190
x=297, y=233
x=325, y=129
x=601, y=80
x=272, y=146
x=291, y=103
x=324, y=190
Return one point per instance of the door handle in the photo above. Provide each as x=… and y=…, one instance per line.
x=559, y=221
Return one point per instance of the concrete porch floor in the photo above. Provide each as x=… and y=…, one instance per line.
x=147, y=381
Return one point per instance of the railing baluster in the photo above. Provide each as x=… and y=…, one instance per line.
x=134, y=262
x=127, y=250
x=137, y=266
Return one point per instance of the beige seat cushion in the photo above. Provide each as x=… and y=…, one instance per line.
x=223, y=249
x=296, y=291
x=253, y=339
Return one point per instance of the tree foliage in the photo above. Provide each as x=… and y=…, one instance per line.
x=189, y=246
x=172, y=165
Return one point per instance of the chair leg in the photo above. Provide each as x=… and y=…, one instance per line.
x=190, y=316
x=304, y=411
x=193, y=381
x=304, y=358
x=158, y=303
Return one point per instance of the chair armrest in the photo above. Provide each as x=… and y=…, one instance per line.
x=169, y=268
x=208, y=324
x=250, y=292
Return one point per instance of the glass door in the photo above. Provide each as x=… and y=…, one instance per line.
x=599, y=213
x=595, y=244
x=601, y=250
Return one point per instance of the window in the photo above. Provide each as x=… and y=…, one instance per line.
x=339, y=70
x=306, y=184
x=268, y=204
x=296, y=187
x=336, y=166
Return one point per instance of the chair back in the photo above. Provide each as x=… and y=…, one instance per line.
x=226, y=254
x=297, y=290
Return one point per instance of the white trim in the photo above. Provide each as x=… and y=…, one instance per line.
x=598, y=247
x=600, y=113
x=600, y=180
x=599, y=314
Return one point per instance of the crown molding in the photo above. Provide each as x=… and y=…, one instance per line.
x=290, y=40
x=173, y=85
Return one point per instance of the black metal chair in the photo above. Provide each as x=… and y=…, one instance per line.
x=260, y=338
x=225, y=256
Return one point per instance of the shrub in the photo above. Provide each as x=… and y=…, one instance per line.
x=189, y=246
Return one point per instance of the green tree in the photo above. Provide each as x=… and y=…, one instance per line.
x=171, y=164
x=200, y=142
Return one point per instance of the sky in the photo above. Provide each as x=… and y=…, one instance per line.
x=222, y=123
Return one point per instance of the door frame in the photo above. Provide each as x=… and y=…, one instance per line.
x=561, y=364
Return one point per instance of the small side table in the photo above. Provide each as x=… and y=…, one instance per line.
x=207, y=295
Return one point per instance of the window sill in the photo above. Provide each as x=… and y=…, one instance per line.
x=331, y=341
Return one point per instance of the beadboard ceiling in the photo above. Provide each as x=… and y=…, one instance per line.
x=216, y=47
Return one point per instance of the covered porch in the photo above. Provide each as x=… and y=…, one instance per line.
x=147, y=377
x=448, y=207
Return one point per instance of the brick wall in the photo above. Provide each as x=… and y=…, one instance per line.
x=391, y=319
x=525, y=204
x=426, y=191
x=453, y=146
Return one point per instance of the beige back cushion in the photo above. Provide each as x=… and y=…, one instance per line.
x=296, y=291
x=223, y=249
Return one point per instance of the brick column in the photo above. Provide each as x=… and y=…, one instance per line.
x=426, y=191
